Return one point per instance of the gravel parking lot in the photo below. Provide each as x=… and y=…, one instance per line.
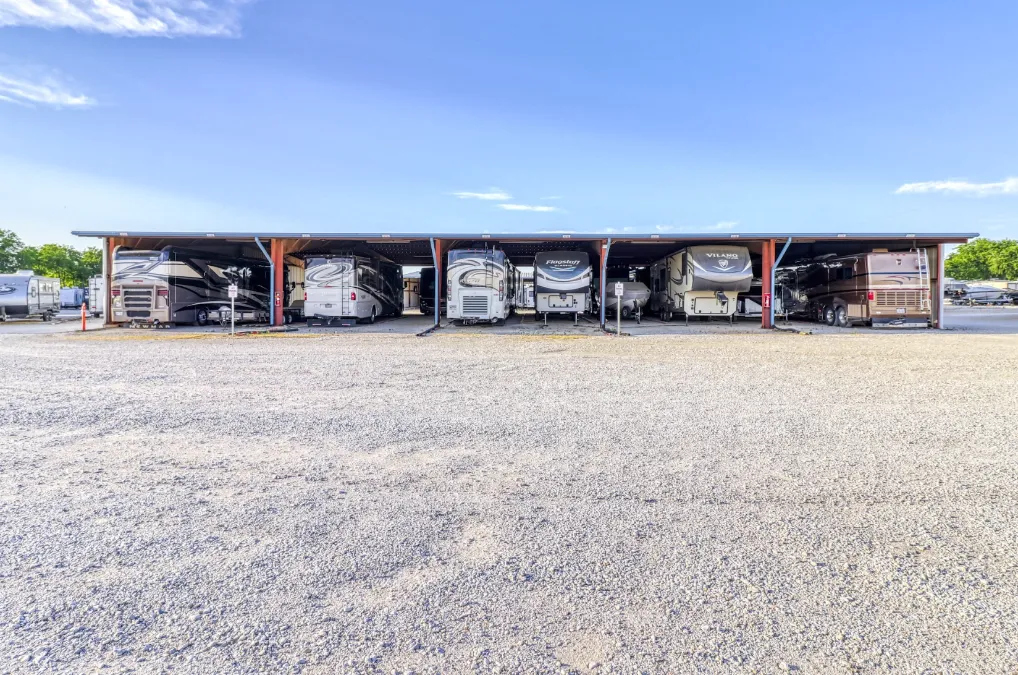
x=462, y=502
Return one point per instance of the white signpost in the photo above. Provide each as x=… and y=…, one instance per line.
x=618, y=302
x=232, y=292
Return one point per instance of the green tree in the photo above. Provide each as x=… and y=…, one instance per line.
x=91, y=263
x=1004, y=261
x=10, y=250
x=971, y=261
x=62, y=262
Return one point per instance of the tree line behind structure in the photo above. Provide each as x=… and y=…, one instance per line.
x=71, y=266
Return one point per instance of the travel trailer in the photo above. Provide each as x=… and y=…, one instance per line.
x=879, y=289
x=96, y=295
x=700, y=281
x=480, y=286
x=72, y=297
x=525, y=291
x=177, y=285
x=428, y=291
x=562, y=282
x=26, y=295
x=412, y=292
x=344, y=287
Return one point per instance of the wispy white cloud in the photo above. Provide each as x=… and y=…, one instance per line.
x=1008, y=186
x=492, y=195
x=162, y=18
x=529, y=207
x=49, y=89
x=723, y=225
x=552, y=198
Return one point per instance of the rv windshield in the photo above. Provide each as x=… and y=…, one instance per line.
x=491, y=254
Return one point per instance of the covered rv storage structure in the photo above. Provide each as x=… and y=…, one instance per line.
x=767, y=251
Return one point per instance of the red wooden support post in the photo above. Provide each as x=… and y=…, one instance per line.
x=277, y=301
x=767, y=291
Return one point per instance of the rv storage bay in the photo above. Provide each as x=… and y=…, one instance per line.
x=361, y=503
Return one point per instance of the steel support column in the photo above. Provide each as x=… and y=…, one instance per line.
x=278, y=292
x=605, y=247
x=774, y=268
x=767, y=283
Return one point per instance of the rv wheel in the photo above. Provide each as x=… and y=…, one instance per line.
x=841, y=317
x=201, y=317
x=666, y=315
x=829, y=316
x=371, y=319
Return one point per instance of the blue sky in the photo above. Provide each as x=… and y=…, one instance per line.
x=654, y=116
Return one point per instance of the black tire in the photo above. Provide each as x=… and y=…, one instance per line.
x=399, y=312
x=841, y=317
x=626, y=312
x=287, y=318
x=829, y=315
x=371, y=319
x=201, y=317
x=666, y=315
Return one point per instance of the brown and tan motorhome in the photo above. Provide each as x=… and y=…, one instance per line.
x=879, y=289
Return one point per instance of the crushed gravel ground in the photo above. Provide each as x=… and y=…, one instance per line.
x=467, y=502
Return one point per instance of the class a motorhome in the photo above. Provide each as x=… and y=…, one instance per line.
x=96, y=295
x=176, y=285
x=879, y=289
x=700, y=281
x=351, y=286
x=480, y=286
x=562, y=282
x=27, y=295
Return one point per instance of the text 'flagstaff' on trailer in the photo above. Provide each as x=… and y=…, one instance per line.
x=562, y=282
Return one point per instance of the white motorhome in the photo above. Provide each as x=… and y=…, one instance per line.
x=700, y=281
x=25, y=295
x=96, y=295
x=345, y=287
x=480, y=286
x=562, y=282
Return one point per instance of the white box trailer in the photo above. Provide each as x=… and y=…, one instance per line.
x=96, y=295
x=26, y=295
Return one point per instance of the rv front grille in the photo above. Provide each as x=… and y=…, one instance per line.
x=475, y=305
x=899, y=298
x=138, y=298
x=138, y=314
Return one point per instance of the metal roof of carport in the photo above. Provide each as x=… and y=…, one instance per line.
x=934, y=237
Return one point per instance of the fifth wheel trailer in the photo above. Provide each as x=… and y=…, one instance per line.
x=562, y=282
x=96, y=295
x=26, y=295
x=700, y=281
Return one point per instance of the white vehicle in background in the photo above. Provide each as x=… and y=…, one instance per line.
x=26, y=295
x=700, y=281
x=72, y=297
x=480, y=286
x=96, y=295
x=562, y=282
